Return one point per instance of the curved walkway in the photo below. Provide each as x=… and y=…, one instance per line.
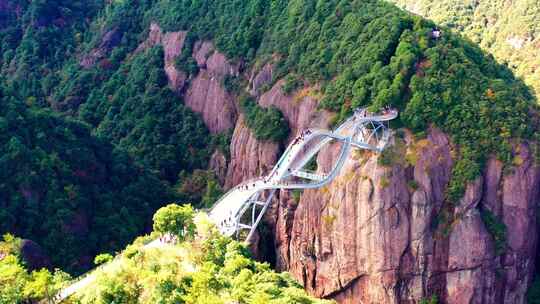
x=363, y=130
x=242, y=207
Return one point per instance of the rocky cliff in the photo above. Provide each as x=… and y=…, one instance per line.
x=375, y=235
x=371, y=236
x=172, y=44
x=206, y=95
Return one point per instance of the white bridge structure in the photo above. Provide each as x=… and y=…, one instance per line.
x=242, y=207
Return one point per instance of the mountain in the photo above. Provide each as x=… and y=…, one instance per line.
x=202, y=95
x=507, y=29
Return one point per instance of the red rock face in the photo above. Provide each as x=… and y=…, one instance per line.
x=206, y=94
x=261, y=156
x=172, y=47
x=368, y=237
x=218, y=164
x=172, y=43
x=261, y=78
x=300, y=113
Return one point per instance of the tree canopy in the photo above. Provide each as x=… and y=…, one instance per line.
x=175, y=220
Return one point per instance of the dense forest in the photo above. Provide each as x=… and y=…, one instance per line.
x=508, y=30
x=76, y=181
x=94, y=141
x=64, y=187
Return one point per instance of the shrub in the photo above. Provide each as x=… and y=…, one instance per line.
x=384, y=182
x=201, y=188
x=231, y=84
x=212, y=194
x=413, y=184
x=393, y=154
x=496, y=228
x=291, y=84
x=266, y=123
x=432, y=300
x=176, y=220
x=103, y=259
x=296, y=194
x=222, y=142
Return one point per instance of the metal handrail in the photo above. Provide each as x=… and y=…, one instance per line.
x=290, y=162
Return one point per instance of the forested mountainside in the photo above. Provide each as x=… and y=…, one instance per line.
x=112, y=109
x=510, y=30
x=64, y=188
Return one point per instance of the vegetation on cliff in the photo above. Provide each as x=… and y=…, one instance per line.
x=266, y=123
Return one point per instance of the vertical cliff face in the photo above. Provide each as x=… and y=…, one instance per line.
x=261, y=155
x=206, y=94
x=172, y=43
x=370, y=236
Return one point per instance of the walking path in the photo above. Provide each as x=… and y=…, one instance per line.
x=90, y=277
x=363, y=130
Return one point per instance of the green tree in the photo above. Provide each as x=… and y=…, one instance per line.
x=212, y=194
x=176, y=220
x=102, y=259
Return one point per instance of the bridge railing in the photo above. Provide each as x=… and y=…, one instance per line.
x=284, y=168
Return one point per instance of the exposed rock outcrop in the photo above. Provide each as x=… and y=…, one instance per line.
x=260, y=79
x=218, y=165
x=300, y=112
x=173, y=43
x=206, y=94
x=249, y=157
x=109, y=40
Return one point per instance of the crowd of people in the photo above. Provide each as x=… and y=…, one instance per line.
x=226, y=222
x=300, y=138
